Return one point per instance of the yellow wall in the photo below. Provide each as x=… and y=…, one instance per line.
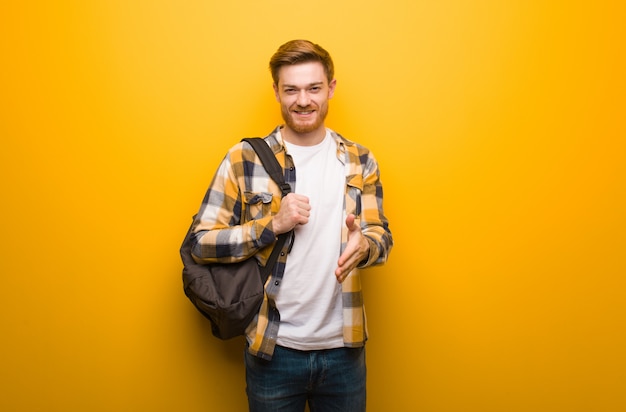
x=500, y=129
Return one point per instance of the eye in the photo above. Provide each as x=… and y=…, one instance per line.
x=315, y=89
x=290, y=91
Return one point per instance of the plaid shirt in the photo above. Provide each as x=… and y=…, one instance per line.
x=235, y=222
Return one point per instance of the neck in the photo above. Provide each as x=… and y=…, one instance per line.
x=303, y=139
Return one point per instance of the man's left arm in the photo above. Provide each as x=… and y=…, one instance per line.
x=373, y=223
x=369, y=237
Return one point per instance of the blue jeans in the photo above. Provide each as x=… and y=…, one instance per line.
x=330, y=380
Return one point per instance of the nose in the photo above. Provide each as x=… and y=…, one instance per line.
x=303, y=99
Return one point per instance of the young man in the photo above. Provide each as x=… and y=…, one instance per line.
x=307, y=342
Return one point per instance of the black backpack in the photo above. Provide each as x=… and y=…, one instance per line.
x=230, y=294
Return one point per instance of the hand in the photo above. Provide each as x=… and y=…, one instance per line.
x=356, y=250
x=294, y=210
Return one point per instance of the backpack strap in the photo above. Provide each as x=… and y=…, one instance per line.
x=270, y=163
x=276, y=172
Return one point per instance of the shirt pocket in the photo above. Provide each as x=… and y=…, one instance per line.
x=257, y=204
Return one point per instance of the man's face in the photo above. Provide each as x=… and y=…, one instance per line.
x=303, y=92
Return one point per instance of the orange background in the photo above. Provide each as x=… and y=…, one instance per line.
x=500, y=130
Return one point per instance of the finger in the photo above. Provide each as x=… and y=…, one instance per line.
x=299, y=198
x=342, y=273
x=345, y=265
x=350, y=221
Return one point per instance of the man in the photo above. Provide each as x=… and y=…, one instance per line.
x=307, y=342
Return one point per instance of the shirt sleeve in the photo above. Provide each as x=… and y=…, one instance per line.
x=222, y=231
x=374, y=224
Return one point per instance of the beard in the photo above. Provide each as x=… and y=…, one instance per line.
x=305, y=127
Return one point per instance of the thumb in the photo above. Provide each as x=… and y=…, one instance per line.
x=350, y=221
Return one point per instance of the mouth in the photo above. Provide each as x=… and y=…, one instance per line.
x=304, y=112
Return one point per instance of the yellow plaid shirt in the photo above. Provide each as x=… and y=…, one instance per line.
x=235, y=222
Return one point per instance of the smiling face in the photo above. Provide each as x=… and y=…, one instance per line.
x=303, y=92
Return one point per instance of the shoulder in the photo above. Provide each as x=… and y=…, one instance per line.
x=356, y=151
x=242, y=151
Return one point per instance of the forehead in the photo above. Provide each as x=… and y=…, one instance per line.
x=302, y=74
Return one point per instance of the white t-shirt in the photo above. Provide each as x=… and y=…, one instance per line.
x=309, y=300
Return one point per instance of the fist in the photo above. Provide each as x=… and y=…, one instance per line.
x=294, y=210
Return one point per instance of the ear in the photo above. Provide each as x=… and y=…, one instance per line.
x=331, y=88
x=275, y=86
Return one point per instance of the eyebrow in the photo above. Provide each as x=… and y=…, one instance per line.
x=309, y=85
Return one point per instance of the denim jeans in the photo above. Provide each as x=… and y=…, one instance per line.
x=330, y=380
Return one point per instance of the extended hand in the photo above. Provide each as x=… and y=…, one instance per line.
x=356, y=250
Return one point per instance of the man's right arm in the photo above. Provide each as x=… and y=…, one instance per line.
x=220, y=234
